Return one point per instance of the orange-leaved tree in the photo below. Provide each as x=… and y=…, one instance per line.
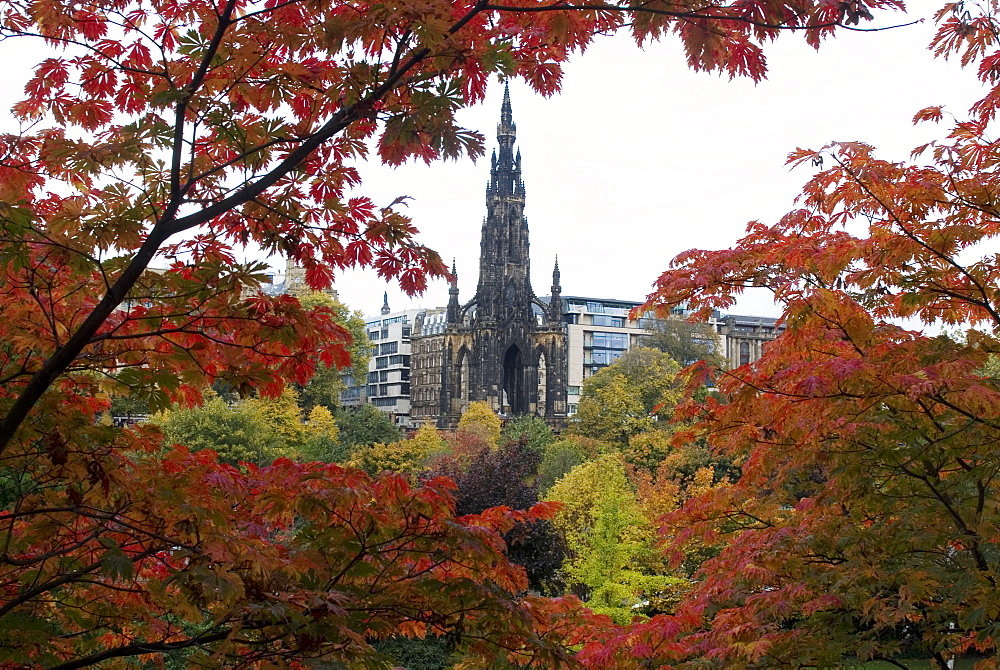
x=866, y=521
x=173, y=132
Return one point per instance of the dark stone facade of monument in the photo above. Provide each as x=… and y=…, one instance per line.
x=505, y=346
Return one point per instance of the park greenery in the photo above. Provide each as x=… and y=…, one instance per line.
x=834, y=503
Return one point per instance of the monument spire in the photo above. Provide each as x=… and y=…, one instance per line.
x=506, y=116
x=504, y=292
x=555, y=302
x=454, y=307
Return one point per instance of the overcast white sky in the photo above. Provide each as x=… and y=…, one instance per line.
x=638, y=158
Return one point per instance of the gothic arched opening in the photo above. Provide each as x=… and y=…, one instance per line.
x=462, y=382
x=542, y=384
x=513, y=381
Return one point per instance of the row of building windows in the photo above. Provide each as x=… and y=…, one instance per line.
x=388, y=348
x=424, y=377
x=606, y=340
x=383, y=375
x=428, y=362
x=375, y=390
x=602, y=356
x=384, y=334
x=386, y=361
x=428, y=346
x=426, y=394
x=605, y=308
x=613, y=321
x=402, y=318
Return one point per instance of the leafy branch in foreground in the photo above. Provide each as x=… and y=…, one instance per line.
x=175, y=133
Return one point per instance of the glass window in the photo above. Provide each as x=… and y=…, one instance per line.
x=372, y=334
x=603, y=356
x=389, y=348
x=382, y=362
x=573, y=390
x=383, y=376
x=372, y=377
x=609, y=340
x=597, y=307
x=613, y=321
x=744, y=353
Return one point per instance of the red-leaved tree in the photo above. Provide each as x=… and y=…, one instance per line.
x=175, y=132
x=866, y=522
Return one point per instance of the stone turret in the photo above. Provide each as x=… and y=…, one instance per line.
x=454, y=307
x=555, y=304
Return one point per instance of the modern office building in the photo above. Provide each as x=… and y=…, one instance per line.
x=599, y=331
x=388, y=383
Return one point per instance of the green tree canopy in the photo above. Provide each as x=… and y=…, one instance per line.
x=627, y=397
x=610, y=539
x=366, y=425
x=255, y=430
x=686, y=342
x=558, y=458
x=322, y=441
x=532, y=429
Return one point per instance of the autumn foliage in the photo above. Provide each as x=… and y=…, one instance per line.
x=172, y=134
x=864, y=525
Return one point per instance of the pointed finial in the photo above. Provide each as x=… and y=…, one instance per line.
x=505, y=112
x=454, y=314
x=385, y=302
x=555, y=302
x=506, y=129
